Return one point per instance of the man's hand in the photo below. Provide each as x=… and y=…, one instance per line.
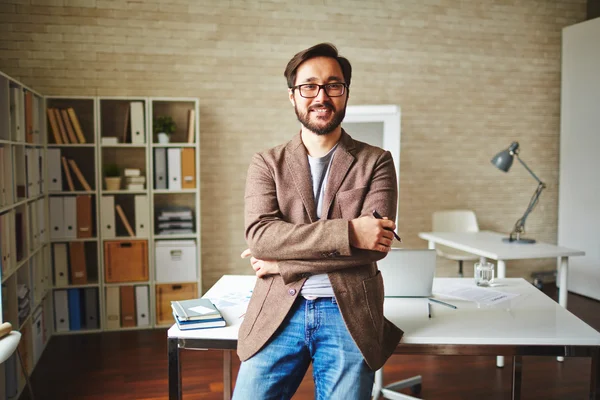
x=370, y=233
x=262, y=268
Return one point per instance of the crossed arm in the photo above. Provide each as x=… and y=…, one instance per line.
x=281, y=247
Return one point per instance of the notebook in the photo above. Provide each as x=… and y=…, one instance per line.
x=408, y=273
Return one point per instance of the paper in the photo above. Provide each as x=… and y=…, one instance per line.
x=202, y=310
x=476, y=294
x=231, y=299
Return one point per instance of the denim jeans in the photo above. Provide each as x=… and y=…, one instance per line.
x=313, y=331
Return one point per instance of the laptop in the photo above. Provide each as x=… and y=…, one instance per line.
x=408, y=273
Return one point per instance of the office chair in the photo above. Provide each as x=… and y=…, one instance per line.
x=455, y=221
x=9, y=343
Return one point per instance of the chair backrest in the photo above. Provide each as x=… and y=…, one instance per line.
x=454, y=221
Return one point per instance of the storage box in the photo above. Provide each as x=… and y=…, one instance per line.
x=165, y=293
x=125, y=261
x=176, y=261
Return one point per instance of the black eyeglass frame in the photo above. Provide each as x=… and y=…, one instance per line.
x=323, y=87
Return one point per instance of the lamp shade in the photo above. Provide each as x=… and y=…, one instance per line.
x=504, y=159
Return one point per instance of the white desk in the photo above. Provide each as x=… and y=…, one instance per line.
x=529, y=324
x=488, y=244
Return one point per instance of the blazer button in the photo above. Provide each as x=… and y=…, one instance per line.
x=292, y=292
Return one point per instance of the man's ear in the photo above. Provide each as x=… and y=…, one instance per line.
x=291, y=96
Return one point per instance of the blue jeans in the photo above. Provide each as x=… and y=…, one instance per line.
x=313, y=331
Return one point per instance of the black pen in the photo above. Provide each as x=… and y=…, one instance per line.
x=429, y=309
x=376, y=215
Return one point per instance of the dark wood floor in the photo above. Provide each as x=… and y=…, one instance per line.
x=133, y=365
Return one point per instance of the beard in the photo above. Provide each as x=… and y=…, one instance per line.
x=336, y=120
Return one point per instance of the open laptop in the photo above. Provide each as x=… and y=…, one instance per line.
x=408, y=273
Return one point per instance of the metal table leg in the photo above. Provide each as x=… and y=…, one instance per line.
x=174, y=370
x=517, y=371
x=226, y=374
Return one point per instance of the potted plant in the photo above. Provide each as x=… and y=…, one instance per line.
x=163, y=127
x=112, y=176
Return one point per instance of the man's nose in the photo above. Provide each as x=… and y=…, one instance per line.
x=322, y=95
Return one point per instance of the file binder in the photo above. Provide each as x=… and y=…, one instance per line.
x=61, y=311
x=188, y=168
x=142, y=216
x=16, y=113
x=127, y=307
x=174, y=168
x=78, y=263
x=61, y=268
x=137, y=122
x=91, y=308
x=107, y=213
x=41, y=218
x=57, y=229
x=28, y=116
x=54, y=170
x=84, y=216
x=142, y=308
x=74, y=309
x=70, y=216
x=160, y=168
x=37, y=324
x=3, y=173
x=113, y=308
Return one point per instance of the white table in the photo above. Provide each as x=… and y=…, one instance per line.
x=529, y=324
x=487, y=244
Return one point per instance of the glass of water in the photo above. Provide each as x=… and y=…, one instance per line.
x=484, y=273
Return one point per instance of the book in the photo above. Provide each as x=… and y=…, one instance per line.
x=110, y=140
x=61, y=126
x=68, y=126
x=124, y=220
x=191, y=126
x=205, y=324
x=79, y=175
x=76, y=125
x=195, y=309
x=67, y=174
x=54, y=126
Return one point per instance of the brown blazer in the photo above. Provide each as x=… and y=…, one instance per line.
x=281, y=224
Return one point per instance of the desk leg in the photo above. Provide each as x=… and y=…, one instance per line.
x=226, y=374
x=174, y=370
x=501, y=267
x=595, y=375
x=516, y=377
x=563, y=291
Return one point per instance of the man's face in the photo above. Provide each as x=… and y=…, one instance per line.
x=321, y=114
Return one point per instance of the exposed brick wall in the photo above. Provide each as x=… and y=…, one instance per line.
x=470, y=77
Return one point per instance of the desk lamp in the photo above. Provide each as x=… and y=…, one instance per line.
x=503, y=161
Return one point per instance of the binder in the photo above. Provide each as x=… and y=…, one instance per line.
x=36, y=121
x=61, y=269
x=29, y=171
x=68, y=126
x=113, y=309
x=57, y=229
x=8, y=177
x=41, y=218
x=3, y=199
x=188, y=168
x=127, y=306
x=37, y=325
x=67, y=174
x=61, y=311
x=76, y=125
x=74, y=309
x=16, y=113
x=84, y=216
x=160, y=168
x=33, y=227
x=124, y=220
x=125, y=261
x=12, y=379
x=70, y=216
x=61, y=126
x=91, y=308
x=142, y=216
x=137, y=122
x=78, y=263
x=174, y=168
x=29, y=116
x=54, y=126
x=40, y=170
x=142, y=308
x=54, y=170
x=79, y=175
x=107, y=213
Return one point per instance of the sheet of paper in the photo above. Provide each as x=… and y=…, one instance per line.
x=478, y=295
x=201, y=309
x=231, y=299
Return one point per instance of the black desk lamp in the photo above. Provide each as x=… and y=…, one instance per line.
x=503, y=161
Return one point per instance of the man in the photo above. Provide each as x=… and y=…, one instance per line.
x=313, y=243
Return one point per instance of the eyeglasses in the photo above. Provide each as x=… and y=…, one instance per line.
x=311, y=90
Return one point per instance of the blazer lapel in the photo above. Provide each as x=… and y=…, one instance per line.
x=340, y=165
x=297, y=162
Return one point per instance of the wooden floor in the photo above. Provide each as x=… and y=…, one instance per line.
x=133, y=365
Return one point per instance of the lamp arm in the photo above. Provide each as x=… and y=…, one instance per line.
x=527, y=168
x=519, y=227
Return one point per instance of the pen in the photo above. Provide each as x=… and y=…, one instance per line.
x=376, y=215
x=429, y=309
x=442, y=303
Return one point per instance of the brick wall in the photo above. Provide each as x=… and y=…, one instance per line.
x=470, y=77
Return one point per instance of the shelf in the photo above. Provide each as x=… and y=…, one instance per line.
x=77, y=332
x=87, y=285
x=125, y=145
x=119, y=284
x=63, y=240
x=68, y=192
x=170, y=191
x=104, y=239
x=55, y=146
x=182, y=236
x=145, y=191
x=173, y=144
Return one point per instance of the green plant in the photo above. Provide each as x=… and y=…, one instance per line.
x=164, y=124
x=112, y=171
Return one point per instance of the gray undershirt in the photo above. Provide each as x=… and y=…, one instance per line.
x=319, y=285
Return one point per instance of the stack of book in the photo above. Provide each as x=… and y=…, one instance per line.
x=174, y=221
x=134, y=179
x=196, y=314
